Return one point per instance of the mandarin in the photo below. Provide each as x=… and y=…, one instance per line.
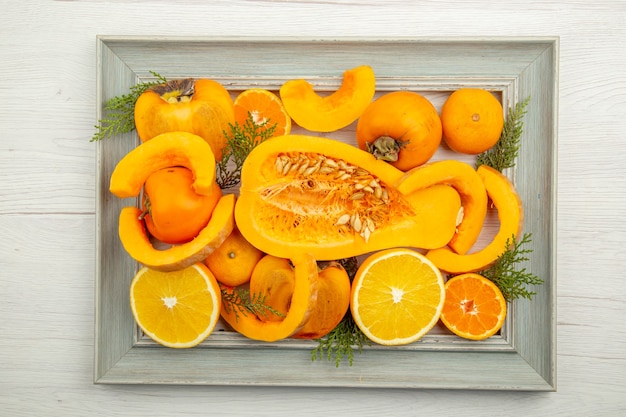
x=265, y=107
x=472, y=120
x=474, y=307
x=234, y=260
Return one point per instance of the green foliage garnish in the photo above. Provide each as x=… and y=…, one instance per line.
x=502, y=155
x=122, y=109
x=342, y=341
x=513, y=282
x=239, y=143
x=346, y=337
x=242, y=302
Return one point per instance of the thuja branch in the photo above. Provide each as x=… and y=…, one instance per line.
x=241, y=301
x=502, y=155
x=506, y=274
x=239, y=143
x=121, y=110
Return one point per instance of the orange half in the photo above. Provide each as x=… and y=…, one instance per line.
x=397, y=296
x=265, y=107
x=474, y=308
x=177, y=309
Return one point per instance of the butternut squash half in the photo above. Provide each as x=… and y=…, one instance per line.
x=302, y=303
x=506, y=200
x=334, y=111
x=134, y=238
x=470, y=187
x=304, y=194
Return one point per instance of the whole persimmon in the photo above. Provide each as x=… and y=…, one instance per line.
x=173, y=212
x=202, y=107
x=402, y=128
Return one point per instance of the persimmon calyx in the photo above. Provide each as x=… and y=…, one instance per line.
x=385, y=148
x=176, y=91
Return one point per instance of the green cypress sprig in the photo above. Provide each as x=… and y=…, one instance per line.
x=513, y=282
x=239, y=143
x=343, y=340
x=122, y=110
x=241, y=301
x=502, y=155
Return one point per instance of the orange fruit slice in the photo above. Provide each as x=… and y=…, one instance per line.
x=397, y=296
x=234, y=260
x=177, y=309
x=474, y=308
x=264, y=106
x=472, y=120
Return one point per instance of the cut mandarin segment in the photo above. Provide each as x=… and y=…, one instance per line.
x=265, y=107
x=474, y=307
x=177, y=309
x=397, y=296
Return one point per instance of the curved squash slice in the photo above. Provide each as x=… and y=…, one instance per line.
x=511, y=215
x=164, y=151
x=302, y=303
x=470, y=187
x=332, y=112
x=303, y=194
x=136, y=242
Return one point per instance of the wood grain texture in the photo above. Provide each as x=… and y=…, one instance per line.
x=47, y=200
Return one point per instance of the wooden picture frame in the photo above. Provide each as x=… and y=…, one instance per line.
x=521, y=357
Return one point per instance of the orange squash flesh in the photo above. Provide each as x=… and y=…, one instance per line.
x=470, y=187
x=511, y=215
x=333, y=302
x=287, y=206
x=273, y=278
x=303, y=301
x=332, y=112
x=136, y=242
x=164, y=151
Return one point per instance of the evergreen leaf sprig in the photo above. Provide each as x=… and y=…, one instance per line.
x=241, y=301
x=239, y=143
x=342, y=341
x=513, y=282
x=502, y=155
x=121, y=111
x=346, y=337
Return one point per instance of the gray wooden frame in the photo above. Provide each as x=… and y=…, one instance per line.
x=522, y=357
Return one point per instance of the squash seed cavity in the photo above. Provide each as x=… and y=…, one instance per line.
x=332, y=196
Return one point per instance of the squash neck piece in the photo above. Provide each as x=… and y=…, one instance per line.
x=385, y=148
x=176, y=91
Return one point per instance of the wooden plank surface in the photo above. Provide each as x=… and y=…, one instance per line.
x=47, y=200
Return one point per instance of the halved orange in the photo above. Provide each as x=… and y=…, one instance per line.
x=397, y=296
x=177, y=309
x=265, y=107
x=474, y=308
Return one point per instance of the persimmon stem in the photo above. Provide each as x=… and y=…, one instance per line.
x=385, y=148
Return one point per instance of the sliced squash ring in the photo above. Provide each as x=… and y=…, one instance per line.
x=511, y=214
x=136, y=242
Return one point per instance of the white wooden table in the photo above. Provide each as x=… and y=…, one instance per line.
x=47, y=203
